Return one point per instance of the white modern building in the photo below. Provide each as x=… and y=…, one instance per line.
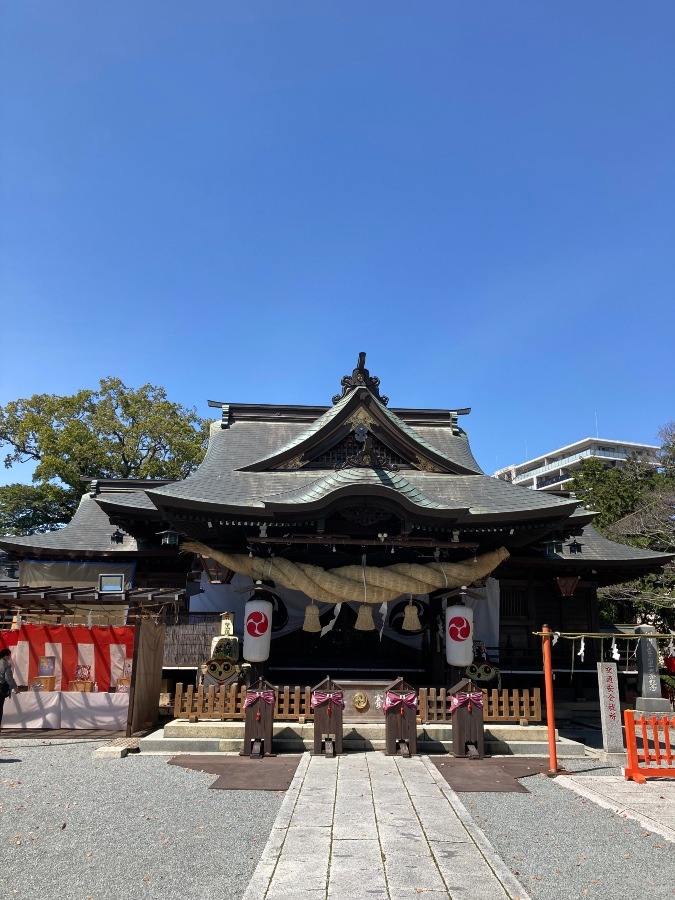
x=553, y=471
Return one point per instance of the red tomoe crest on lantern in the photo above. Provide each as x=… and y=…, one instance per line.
x=257, y=629
x=459, y=635
x=257, y=623
x=459, y=628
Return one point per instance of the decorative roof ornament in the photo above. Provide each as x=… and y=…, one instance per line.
x=361, y=417
x=361, y=377
x=367, y=456
x=296, y=463
x=425, y=466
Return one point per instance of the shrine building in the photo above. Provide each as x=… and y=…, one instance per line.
x=364, y=521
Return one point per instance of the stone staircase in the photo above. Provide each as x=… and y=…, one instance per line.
x=181, y=736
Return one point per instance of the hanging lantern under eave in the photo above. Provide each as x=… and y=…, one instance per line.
x=169, y=538
x=411, y=618
x=257, y=628
x=459, y=635
x=364, y=619
x=312, y=623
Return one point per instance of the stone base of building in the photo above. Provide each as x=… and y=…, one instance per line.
x=181, y=736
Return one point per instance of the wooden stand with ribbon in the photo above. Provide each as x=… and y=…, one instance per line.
x=259, y=719
x=466, y=712
x=327, y=703
x=400, y=715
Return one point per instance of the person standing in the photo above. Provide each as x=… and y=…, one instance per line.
x=7, y=683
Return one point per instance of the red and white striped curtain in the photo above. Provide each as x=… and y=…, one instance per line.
x=103, y=649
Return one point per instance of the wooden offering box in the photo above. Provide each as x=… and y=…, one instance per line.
x=468, y=738
x=82, y=686
x=43, y=683
x=400, y=716
x=328, y=706
x=259, y=719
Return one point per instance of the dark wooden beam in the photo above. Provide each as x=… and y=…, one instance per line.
x=421, y=543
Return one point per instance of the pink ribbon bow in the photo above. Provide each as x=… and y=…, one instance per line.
x=391, y=700
x=320, y=698
x=252, y=696
x=461, y=699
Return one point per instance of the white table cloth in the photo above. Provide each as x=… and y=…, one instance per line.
x=32, y=709
x=66, y=709
x=94, y=710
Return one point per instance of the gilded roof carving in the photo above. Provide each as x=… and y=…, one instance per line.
x=361, y=416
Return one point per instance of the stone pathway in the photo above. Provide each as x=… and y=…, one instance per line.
x=651, y=804
x=370, y=827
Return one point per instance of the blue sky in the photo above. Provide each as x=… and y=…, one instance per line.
x=233, y=199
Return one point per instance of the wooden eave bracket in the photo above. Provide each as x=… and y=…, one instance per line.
x=215, y=572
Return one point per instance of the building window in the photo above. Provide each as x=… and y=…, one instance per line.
x=513, y=602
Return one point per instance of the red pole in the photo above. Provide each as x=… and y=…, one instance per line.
x=550, y=711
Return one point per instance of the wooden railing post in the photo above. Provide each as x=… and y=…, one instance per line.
x=178, y=701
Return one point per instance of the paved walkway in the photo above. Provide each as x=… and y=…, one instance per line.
x=651, y=804
x=372, y=827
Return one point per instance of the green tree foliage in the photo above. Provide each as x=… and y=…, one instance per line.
x=34, y=508
x=651, y=526
x=636, y=506
x=611, y=492
x=112, y=432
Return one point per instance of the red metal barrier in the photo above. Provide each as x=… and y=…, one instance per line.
x=655, y=757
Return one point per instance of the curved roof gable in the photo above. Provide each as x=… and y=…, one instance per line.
x=286, y=459
x=387, y=485
x=592, y=546
x=89, y=531
x=359, y=407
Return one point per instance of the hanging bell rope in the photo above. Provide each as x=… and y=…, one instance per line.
x=411, y=618
x=353, y=583
x=312, y=623
x=364, y=619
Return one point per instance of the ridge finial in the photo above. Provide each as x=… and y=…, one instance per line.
x=361, y=377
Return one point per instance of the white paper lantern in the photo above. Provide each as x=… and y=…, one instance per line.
x=257, y=629
x=459, y=635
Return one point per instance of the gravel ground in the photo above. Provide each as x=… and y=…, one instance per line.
x=86, y=829
x=562, y=846
x=82, y=829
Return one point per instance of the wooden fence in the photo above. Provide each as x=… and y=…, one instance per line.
x=498, y=706
x=650, y=746
x=293, y=703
